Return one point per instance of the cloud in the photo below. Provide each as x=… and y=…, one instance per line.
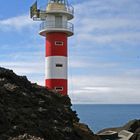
x=108, y=8
x=110, y=28
x=24, y=67
x=16, y=23
x=94, y=64
x=106, y=89
x=109, y=38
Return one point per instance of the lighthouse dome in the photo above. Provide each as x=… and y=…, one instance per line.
x=60, y=7
x=56, y=5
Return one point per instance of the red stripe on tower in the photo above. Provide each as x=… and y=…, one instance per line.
x=56, y=44
x=61, y=85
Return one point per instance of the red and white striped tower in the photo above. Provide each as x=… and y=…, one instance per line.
x=56, y=28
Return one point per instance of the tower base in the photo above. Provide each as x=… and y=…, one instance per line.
x=59, y=85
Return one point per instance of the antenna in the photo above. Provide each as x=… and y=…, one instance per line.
x=37, y=14
x=33, y=10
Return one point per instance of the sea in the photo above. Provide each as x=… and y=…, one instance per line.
x=98, y=117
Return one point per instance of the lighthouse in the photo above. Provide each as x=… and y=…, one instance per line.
x=56, y=29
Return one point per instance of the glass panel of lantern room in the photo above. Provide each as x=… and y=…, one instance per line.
x=58, y=21
x=59, y=1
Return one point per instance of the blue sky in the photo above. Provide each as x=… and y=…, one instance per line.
x=104, y=53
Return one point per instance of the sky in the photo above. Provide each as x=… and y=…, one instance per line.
x=104, y=53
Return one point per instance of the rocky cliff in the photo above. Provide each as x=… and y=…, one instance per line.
x=31, y=112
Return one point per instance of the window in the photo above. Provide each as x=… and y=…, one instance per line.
x=59, y=65
x=59, y=43
x=59, y=88
x=58, y=21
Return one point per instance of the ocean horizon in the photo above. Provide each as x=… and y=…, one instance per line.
x=101, y=116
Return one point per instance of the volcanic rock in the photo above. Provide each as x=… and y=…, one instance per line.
x=31, y=112
x=132, y=126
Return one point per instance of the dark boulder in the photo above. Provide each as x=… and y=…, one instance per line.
x=132, y=126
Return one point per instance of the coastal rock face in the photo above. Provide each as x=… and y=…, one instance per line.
x=132, y=126
x=31, y=112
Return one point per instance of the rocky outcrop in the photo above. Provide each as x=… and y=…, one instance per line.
x=31, y=112
x=132, y=126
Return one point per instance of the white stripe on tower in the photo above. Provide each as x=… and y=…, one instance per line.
x=56, y=67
